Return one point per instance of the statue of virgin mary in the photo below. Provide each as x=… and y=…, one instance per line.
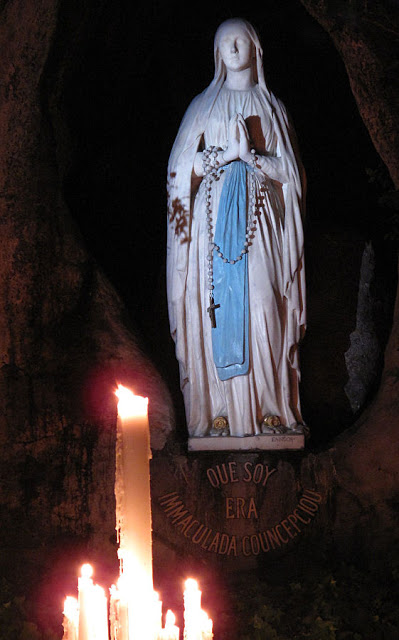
x=235, y=255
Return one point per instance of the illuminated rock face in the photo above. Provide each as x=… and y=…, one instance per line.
x=64, y=343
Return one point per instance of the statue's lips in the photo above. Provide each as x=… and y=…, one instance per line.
x=233, y=59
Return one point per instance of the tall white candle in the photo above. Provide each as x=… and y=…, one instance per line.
x=133, y=499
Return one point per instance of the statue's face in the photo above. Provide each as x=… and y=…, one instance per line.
x=235, y=47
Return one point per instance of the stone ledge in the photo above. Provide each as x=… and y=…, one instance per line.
x=262, y=442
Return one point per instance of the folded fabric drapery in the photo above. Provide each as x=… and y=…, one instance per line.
x=230, y=336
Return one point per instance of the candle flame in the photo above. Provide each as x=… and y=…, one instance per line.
x=206, y=621
x=130, y=405
x=170, y=618
x=71, y=608
x=191, y=584
x=86, y=571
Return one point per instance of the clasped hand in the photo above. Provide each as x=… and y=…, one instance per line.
x=238, y=145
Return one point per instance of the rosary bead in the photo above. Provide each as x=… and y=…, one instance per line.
x=212, y=173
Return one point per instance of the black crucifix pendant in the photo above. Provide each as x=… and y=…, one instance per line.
x=211, y=311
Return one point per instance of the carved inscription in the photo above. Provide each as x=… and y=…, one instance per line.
x=224, y=543
x=193, y=529
x=240, y=508
x=231, y=473
x=228, y=473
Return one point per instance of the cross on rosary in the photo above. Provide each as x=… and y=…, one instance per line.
x=211, y=311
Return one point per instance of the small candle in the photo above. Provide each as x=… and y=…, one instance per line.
x=171, y=631
x=85, y=585
x=123, y=609
x=92, y=604
x=192, y=611
x=206, y=626
x=71, y=618
x=99, y=618
x=113, y=612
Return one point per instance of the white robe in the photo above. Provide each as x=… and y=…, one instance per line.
x=276, y=311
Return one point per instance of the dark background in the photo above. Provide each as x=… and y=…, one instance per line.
x=124, y=97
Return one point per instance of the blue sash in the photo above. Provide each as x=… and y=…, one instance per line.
x=230, y=336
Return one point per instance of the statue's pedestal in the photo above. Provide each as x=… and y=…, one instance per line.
x=262, y=442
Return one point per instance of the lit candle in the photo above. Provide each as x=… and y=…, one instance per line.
x=71, y=618
x=118, y=611
x=206, y=626
x=85, y=586
x=99, y=619
x=133, y=500
x=192, y=611
x=113, y=612
x=170, y=632
x=93, y=609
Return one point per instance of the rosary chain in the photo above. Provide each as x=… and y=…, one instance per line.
x=211, y=172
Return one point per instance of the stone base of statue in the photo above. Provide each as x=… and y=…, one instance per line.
x=262, y=442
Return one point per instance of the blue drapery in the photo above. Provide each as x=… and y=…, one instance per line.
x=230, y=336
